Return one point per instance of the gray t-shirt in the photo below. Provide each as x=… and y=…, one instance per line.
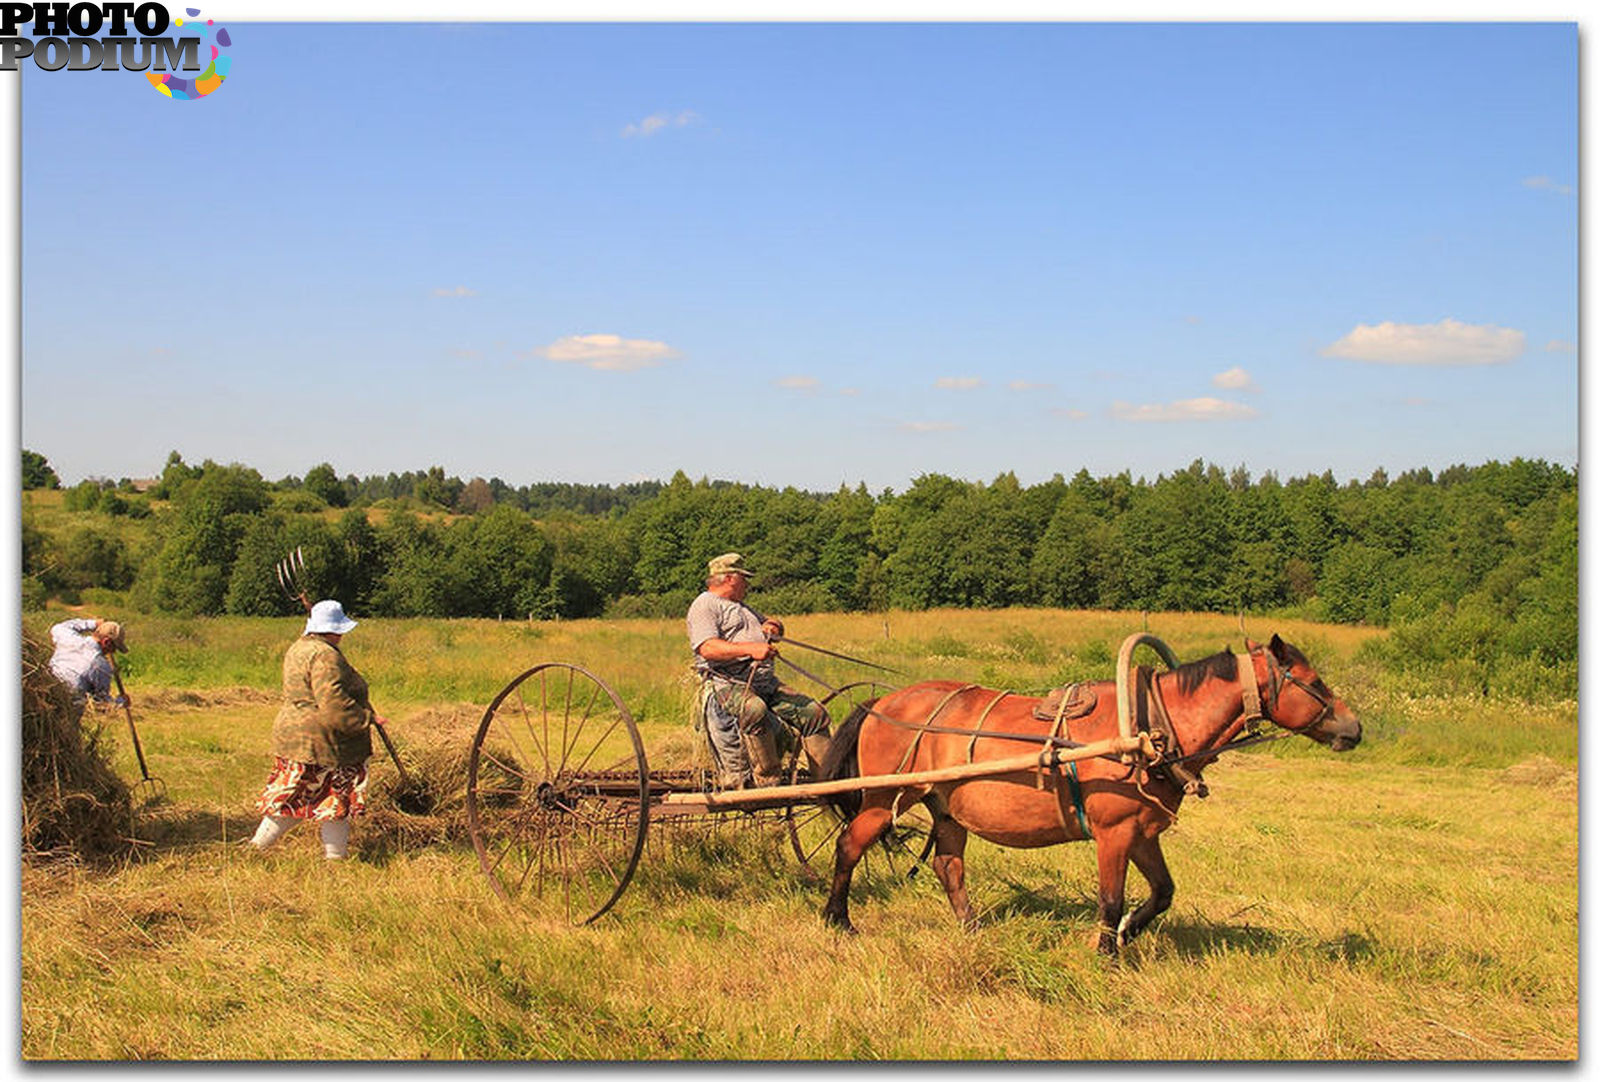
x=713, y=617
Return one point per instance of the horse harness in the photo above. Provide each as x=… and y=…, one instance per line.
x=1150, y=715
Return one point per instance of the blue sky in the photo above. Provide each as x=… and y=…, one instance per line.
x=810, y=254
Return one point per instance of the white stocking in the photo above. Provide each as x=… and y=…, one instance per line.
x=271, y=829
x=335, y=838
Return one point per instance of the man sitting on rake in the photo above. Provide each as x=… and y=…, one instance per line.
x=749, y=713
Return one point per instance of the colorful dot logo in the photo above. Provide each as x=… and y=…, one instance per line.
x=216, y=71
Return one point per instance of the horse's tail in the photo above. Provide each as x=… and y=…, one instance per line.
x=840, y=762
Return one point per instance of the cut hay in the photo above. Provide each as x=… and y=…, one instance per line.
x=435, y=746
x=74, y=806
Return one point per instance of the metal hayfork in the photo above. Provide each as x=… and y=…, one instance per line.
x=154, y=788
x=292, y=576
x=409, y=797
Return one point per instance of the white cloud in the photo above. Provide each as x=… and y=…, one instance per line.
x=799, y=383
x=659, y=122
x=929, y=426
x=1447, y=342
x=1069, y=413
x=1547, y=185
x=958, y=383
x=1187, y=409
x=1234, y=379
x=1024, y=385
x=1560, y=345
x=607, y=352
x=455, y=291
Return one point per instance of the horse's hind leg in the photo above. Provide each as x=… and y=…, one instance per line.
x=949, y=864
x=1146, y=854
x=869, y=824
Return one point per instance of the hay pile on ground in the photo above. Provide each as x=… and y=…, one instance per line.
x=73, y=803
x=435, y=746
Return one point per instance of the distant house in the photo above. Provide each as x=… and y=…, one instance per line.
x=144, y=484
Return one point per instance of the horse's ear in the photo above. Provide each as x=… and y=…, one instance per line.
x=1276, y=646
x=1251, y=645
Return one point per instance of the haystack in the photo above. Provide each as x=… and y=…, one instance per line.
x=73, y=803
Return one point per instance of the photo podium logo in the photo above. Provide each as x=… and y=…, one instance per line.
x=119, y=37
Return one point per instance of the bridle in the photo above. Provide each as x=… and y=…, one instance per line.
x=1277, y=676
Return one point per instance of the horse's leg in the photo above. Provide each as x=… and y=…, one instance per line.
x=950, y=843
x=1146, y=854
x=1111, y=855
x=869, y=824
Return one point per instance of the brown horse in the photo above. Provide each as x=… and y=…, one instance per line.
x=1123, y=807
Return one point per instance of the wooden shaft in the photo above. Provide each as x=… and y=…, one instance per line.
x=383, y=734
x=1039, y=760
x=132, y=730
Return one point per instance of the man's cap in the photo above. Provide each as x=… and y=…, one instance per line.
x=110, y=633
x=327, y=617
x=729, y=563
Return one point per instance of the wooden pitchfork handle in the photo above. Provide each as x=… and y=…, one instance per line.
x=383, y=734
x=127, y=708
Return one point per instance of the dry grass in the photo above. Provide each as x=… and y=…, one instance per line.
x=74, y=806
x=1392, y=903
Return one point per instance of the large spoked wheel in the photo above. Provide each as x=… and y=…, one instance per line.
x=814, y=828
x=558, y=797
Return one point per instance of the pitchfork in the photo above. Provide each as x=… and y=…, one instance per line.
x=292, y=577
x=409, y=797
x=155, y=789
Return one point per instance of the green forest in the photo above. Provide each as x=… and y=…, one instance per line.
x=1474, y=569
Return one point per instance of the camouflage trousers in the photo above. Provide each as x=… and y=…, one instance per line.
x=732, y=710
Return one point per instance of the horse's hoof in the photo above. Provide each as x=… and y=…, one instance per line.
x=838, y=922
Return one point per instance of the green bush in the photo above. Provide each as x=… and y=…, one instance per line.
x=796, y=597
x=298, y=501
x=650, y=606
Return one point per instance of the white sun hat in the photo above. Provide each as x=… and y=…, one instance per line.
x=327, y=617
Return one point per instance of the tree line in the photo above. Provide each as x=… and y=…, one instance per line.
x=1476, y=563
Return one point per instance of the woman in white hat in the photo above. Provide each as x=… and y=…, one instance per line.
x=321, y=739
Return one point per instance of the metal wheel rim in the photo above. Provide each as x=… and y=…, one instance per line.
x=814, y=828
x=541, y=822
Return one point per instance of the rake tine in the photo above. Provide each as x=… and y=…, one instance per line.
x=284, y=583
x=297, y=568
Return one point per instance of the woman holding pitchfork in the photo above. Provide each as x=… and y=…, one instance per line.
x=321, y=739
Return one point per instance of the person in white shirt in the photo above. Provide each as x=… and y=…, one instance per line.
x=82, y=657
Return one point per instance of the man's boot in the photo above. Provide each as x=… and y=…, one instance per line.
x=816, y=747
x=762, y=748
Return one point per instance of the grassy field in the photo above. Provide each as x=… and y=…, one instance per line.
x=1414, y=899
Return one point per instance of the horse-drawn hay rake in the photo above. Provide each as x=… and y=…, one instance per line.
x=561, y=797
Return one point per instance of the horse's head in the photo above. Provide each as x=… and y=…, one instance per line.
x=1295, y=698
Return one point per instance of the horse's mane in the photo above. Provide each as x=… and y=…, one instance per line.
x=1223, y=666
